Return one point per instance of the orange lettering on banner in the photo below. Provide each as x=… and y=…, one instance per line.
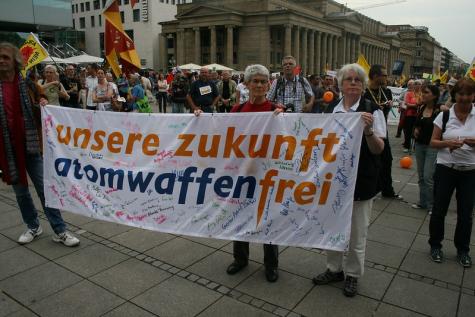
x=183, y=148
x=329, y=142
x=233, y=145
x=283, y=184
x=305, y=189
x=262, y=152
x=308, y=144
x=67, y=137
x=115, y=138
x=85, y=141
x=150, y=140
x=325, y=189
x=291, y=144
x=98, y=138
x=213, y=151
x=133, y=137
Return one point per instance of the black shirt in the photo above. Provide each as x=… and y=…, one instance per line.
x=68, y=84
x=425, y=125
x=203, y=93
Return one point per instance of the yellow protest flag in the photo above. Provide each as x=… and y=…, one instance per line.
x=363, y=63
x=33, y=53
x=471, y=70
x=444, y=77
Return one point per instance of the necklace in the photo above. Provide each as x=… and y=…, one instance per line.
x=378, y=100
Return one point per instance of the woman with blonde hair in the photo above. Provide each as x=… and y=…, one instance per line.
x=52, y=87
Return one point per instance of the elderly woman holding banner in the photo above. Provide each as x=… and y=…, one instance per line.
x=352, y=81
x=256, y=78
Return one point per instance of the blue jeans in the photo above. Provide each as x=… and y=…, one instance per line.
x=426, y=157
x=34, y=167
x=178, y=107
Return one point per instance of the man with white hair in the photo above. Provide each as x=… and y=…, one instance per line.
x=20, y=154
x=227, y=92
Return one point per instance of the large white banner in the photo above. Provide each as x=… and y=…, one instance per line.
x=283, y=179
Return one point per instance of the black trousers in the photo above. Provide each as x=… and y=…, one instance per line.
x=446, y=180
x=162, y=102
x=271, y=254
x=385, y=177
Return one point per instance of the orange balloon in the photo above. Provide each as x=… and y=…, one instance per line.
x=406, y=162
x=328, y=96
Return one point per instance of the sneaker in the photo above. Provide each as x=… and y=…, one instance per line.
x=328, y=277
x=406, y=150
x=351, y=284
x=66, y=238
x=464, y=259
x=430, y=212
x=30, y=235
x=417, y=206
x=436, y=255
x=392, y=196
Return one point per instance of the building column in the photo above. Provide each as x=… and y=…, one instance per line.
x=342, y=59
x=311, y=58
x=288, y=40
x=197, y=58
x=324, y=52
x=318, y=54
x=297, y=45
x=229, y=46
x=180, y=58
x=330, y=51
x=304, y=62
x=163, y=49
x=348, y=49
x=353, y=49
x=358, y=47
x=335, y=52
x=213, y=44
x=264, y=46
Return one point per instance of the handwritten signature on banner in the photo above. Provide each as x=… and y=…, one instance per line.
x=239, y=179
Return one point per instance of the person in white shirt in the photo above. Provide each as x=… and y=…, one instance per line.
x=454, y=137
x=91, y=84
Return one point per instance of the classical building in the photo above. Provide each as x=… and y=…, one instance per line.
x=321, y=34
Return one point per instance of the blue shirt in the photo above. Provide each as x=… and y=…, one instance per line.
x=138, y=93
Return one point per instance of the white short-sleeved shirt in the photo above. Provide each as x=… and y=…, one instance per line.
x=379, y=123
x=91, y=84
x=455, y=129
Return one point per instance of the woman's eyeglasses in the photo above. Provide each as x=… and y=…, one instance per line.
x=355, y=80
x=257, y=81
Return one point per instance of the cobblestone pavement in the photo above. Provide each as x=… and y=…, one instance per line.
x=124, y=271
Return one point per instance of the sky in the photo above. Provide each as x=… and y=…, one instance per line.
x=450, y=22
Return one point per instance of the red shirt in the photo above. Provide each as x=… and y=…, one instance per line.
x=16, y=128
x=250, y=107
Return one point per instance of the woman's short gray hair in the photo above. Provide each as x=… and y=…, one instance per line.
x=360, y=72
x=253, y=70
x=51, y=67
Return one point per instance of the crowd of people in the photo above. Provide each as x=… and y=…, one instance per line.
x=442, y=123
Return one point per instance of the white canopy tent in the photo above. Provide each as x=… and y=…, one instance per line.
x=217, y=67
x=190, y=66
x=84, y=59
x=57, y=60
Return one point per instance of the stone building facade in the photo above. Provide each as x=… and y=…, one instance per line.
x=321, y=34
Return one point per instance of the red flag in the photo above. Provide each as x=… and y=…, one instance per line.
x=297, y=70
x=119, y=47
x=133, y=2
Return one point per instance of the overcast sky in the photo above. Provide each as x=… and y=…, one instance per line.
x=450, y=22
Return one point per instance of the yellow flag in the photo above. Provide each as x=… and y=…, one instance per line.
x=444, y=77
x=33, y=53
x=471, y=70
x=363, y=63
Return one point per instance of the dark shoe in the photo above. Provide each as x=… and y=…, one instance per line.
x=351, y=284
x=464, y=259
x=235, y=267
x=436, y=255
x=328, y=277
x=398, y=135
x=272, y=275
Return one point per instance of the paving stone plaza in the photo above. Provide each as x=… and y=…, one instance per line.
x=125, y=271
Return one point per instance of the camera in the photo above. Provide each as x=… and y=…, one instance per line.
x=289, y=107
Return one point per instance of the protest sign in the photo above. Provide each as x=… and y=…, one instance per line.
x=283, y=179
x=393, y=116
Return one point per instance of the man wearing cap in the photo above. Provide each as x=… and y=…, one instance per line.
x=203, y=93
x=445, y=99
